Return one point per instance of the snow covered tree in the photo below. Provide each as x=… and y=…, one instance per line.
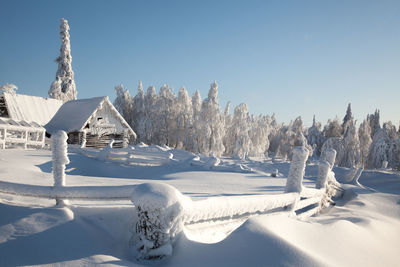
x=374, y=123
x=123, y=103
x=332, y=129
x=193, y=141
x=315, y=137
x=150, y=102
x=212, y=124
x=350, y=154
x=348, y=117
x=8, y=88
x=364, y=135
x=166, y=118
x=291, y=136
x=139, y=114
x=184, y=119
x=63, y=88
x=240, y=128
x=379, y=149
x=259, y=132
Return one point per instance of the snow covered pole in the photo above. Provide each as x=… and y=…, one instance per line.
x=297, y=168
x=60, y=159
x=323, y=170
x=330, y=156
x=160, y=219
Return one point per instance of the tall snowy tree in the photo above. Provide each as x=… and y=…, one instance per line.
x=347, y=118
x=184, y=119
x=123, y=103
x=315, y=137
x=166, y=118
x=350, y=154
x=139, y=114
x=374, y=122
x=63, y=88
x=150, y=102
x=240, y=128
x=364, y=135
x=212, y=124
x=259, y=132
x=195, y=132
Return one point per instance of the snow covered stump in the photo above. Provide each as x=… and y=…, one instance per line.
x=160, y=218
x=60, y=159
x=294, y=182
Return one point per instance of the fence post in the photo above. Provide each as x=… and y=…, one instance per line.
x=297, y=167
x=160, y=219
x=60, y=159
x=323, y=169
x=330, y=156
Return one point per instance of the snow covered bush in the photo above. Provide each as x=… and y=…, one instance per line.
x=160, y=211
x=63, y=88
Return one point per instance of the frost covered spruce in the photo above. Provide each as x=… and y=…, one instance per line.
x=63, y=88
x=60, y=159
x=160, y=210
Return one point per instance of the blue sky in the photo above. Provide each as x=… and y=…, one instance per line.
x=291, y=58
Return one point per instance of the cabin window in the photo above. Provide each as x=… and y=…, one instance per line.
x=87, y=126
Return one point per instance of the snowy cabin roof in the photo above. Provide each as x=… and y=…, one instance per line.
x=74, y=115
x=31, y=108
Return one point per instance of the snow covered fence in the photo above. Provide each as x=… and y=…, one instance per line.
x=162, y=210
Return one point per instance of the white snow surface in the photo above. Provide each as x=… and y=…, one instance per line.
x=361, y=230
x=31, y=108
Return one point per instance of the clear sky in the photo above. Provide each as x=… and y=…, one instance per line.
x=291, y=58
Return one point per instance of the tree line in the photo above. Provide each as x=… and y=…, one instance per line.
x=199, y=126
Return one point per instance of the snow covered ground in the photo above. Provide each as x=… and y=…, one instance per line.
x=363, y=229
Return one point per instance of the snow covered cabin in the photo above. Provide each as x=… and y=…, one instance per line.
x=91, y=122
x=28, y=108
x=22, y=118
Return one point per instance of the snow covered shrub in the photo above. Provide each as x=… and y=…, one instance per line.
x=160, y=218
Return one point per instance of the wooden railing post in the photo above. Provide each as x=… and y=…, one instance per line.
x=330, y=156
x=323, y=170
x=60, y=159
x=297, y=167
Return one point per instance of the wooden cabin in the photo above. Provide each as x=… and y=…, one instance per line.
x=91, y=122
x=28, y=108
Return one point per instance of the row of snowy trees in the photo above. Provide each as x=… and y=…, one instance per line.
x=200, y=126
